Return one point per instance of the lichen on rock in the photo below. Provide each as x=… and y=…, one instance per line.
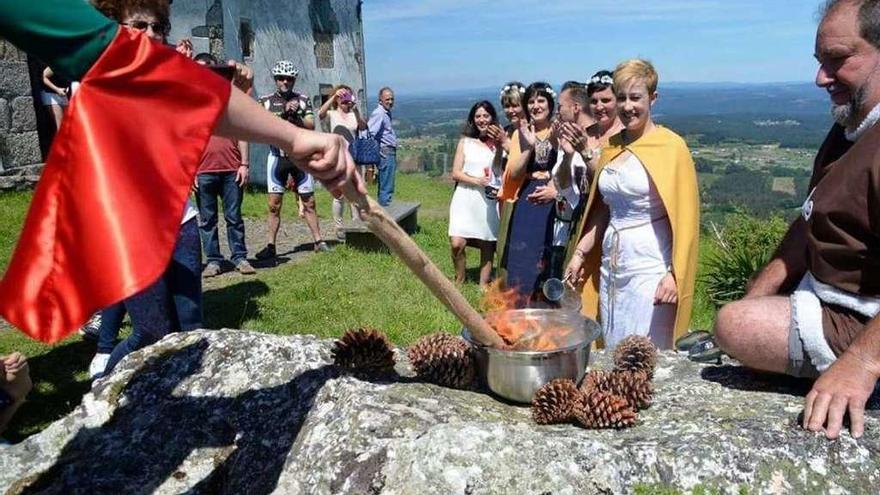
x=241, y=412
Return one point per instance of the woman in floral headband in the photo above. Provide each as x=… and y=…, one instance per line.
x=511, y=101
x=528, y=186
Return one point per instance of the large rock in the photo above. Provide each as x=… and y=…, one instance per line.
x=237, y=412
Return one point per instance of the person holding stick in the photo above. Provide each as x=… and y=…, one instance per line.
x=54, y=281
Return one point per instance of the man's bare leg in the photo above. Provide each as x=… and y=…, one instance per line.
x=274, y=220
x=755, y=332
x=311, y=216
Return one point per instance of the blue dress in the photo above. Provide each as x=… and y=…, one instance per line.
x=530, y=235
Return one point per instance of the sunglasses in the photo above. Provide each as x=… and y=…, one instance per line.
x=285, y=78
x=158, y=27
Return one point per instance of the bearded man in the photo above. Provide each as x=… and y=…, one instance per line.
x=813, y=310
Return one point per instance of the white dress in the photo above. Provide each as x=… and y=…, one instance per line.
x=471, y=214
x=636, y=254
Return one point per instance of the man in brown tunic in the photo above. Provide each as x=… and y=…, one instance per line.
x=812, y=311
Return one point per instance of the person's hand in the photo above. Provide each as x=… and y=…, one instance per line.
x=242, y=175
x=292, y=105
x=338, y=94
x=243, y=78
x=13, y=364
x=185, y=47
x=326, y=157
x=566, y=146
x=17, y=377
x=528, y=133
x=844, y=387
x=575, y=135
x=574, y=272
x=667, y=292
x=543, y=194
x=480, y=181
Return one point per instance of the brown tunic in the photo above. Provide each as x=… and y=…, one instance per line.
x=843, y=226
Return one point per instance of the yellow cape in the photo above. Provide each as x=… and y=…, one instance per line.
x=668, y=161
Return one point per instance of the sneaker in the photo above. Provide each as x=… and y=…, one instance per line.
x=245, y=268
x=321, y=247
x=266, y=253
x=98, y=365
x=92, y=328
x=212, y=270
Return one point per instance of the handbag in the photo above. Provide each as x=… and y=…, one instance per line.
x=365, y=149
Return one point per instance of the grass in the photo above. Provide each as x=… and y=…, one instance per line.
x=324, y=295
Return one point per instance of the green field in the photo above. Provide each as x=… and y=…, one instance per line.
x=323, y=295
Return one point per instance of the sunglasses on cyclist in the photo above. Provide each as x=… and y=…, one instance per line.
x=285, y=78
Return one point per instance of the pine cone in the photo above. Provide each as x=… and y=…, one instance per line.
x=443, y=359
x=634, y=386
x=636, y=353
x=601, y=410
x=364, y=350
x=555, y=402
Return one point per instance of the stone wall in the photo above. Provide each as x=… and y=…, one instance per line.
x=20, y=154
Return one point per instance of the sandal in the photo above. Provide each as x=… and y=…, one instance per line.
x=685, y=342
x=705, y=351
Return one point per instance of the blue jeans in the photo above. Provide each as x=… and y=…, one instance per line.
x=223, y=185
x=386, y=170
x=172, y=303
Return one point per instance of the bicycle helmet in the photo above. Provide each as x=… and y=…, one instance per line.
x=284, y=68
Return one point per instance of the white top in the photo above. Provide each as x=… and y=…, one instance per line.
x=471, y=214
x=571, y=196
x=190, y=211
x=637, y=216
x=340, y=118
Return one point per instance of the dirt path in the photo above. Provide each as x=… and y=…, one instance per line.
x=294, y=243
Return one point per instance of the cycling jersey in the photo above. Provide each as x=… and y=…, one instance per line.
x=276, y=103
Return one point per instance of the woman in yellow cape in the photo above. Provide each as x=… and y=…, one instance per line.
x=636, y=249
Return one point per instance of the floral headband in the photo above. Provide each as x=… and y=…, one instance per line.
x=605, y=79
x=550, y=91
x=509, y=87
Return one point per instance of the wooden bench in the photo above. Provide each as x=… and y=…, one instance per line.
x=357, y=234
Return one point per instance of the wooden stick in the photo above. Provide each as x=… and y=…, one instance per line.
x=386, y=229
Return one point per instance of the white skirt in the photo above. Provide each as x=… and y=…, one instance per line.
x=626, y=290
x=472, y=215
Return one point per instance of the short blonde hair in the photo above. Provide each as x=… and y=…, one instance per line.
x=635, y=70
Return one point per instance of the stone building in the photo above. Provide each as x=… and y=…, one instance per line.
x=323, y=38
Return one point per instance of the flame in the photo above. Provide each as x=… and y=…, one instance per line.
x=520, y=333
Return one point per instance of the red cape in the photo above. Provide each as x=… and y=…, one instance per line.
x=106, y=212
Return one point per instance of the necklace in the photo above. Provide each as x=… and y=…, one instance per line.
x=542, y=150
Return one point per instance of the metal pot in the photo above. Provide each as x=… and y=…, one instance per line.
x=517, y=375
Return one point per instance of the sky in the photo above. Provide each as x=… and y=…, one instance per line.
x=427, y=46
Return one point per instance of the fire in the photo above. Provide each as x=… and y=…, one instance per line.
x=518, y=331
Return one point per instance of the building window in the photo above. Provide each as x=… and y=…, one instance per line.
x=246, y=37
x=324, y=50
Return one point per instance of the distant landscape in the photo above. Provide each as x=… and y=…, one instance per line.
x=753, y=144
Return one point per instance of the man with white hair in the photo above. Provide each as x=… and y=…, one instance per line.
x=813, y=310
